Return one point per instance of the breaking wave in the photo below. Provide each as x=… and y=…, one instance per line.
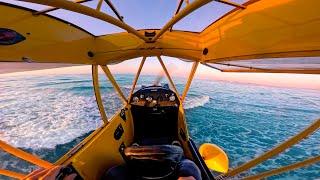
x=193, y=102
x=58, y=119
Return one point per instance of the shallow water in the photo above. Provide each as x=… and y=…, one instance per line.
x=47, y=115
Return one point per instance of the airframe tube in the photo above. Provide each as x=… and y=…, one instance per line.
x=54, y=8
x=113, y=82
x=186, y=89
x=220, y=1
x=136, y=78
x=99, y=5
x=183, y=13
x=11, y=174
x=284, y=169
x=168, y=75
x=276, y=150
x=96, y=88
x=114, y=10
x=231, y=3
x=24, y=155
x=71, y=6
x=186, y=11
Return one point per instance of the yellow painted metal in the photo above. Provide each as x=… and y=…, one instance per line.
x=136, y=78
x=99, y=5
x=115, y=85
x=168, y=75
x=284, y=169
x=96, y=88
x=265, y=29
x=24, y=155
x=118, y=47
x=214, y=157
x=183, y=13
x=65, y=41
x=68, y=44
x=71, y=6
x=272, y=28
x=188, y=84
x=183, y=129
x=12, y=174
x=276, y=150
x=100, y=151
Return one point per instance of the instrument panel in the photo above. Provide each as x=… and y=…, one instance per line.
x=155, y=96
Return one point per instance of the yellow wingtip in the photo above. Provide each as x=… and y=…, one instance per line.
x=214, y=157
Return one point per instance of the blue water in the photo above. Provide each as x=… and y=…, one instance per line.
x=47, y=115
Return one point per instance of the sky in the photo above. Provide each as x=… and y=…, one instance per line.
x=144, y=14
x=140, y=14
x=178, y=68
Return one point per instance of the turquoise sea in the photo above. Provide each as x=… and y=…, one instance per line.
x=47, y=115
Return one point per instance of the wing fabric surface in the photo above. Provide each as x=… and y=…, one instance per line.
x=266, y=36
x=262, y=37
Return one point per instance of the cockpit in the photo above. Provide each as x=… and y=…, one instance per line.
x=155, y=115
x=156, y=152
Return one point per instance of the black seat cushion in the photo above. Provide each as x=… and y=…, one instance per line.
x=154, y=162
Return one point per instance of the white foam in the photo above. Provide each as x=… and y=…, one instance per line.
x=47, y=124
x=39, y=118
x=43, y=118
x=193, y=102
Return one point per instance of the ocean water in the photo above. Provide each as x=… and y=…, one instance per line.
x=48, y=115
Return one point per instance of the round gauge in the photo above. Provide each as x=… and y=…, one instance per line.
x=153, y=103
x=149, y=99
x=141, y=96
x=172, y=98
x=135, y=99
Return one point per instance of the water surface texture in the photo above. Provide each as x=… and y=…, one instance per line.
x=48, y=115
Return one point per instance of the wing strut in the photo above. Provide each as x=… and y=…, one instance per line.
x=25, y=156
x=12, y=174
x=168, y=75
x=136, y=78
x=276, y=150
x=113, y=82
x=192, y=73
x=250, y=69
x=96, y=88
x=285, y=168
x=213, y=67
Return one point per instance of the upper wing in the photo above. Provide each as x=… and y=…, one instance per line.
x=270, y=35
x=267, y=34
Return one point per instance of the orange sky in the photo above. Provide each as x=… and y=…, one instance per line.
x=180, y=68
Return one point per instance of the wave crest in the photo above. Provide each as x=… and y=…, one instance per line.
x=193, y=102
